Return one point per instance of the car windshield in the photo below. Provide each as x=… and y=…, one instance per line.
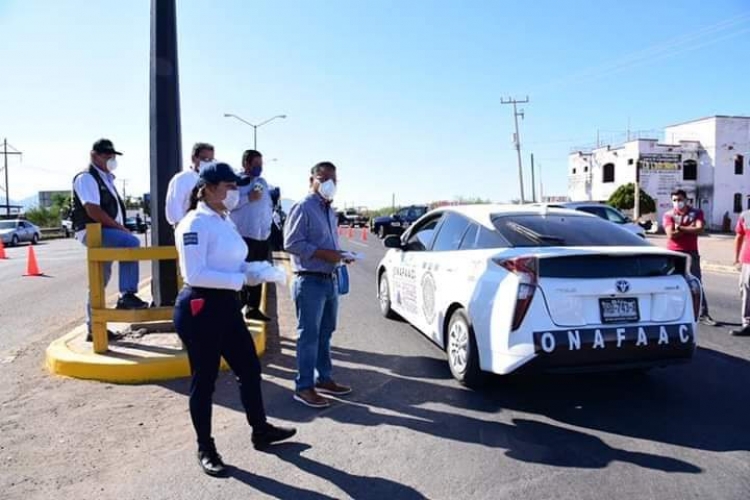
x=552, y=230
x=8, y=224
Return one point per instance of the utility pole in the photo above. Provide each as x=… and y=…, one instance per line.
x=637, y=193
x=517, y=138
x=541, y=184
x=165, y=140
x=393, y=201
x=5, y=167
x=533, y=182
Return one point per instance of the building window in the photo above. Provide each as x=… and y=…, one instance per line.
x=630, y=161
x=739, y=163
x=586, y=169
x=690, y=170
x=737, y=203
x=574, y=171
x=608, y=172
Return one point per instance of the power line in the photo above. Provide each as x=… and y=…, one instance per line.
x=517, y=137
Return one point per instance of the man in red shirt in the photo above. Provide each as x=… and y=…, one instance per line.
x=683, y=224
x=742, y=256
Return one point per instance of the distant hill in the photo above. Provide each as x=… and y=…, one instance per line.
x=26, y=203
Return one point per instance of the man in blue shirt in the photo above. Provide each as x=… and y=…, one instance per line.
x=310, y=236
x=253, y=217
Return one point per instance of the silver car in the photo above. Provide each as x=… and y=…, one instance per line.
x=15, y=231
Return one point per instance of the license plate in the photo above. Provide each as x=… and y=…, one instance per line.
x=619, y=310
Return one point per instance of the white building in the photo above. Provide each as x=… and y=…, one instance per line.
x=708, y=158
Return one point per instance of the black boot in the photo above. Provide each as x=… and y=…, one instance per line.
x=211, y=462
x=271, y=434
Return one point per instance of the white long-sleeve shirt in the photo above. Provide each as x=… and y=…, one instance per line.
x=178, y=195
x=212, y=252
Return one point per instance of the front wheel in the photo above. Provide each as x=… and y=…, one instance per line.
x=381, y=232
x=461, y=348
x=384, y=297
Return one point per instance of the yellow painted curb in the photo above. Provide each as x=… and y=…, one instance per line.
x=62, y=359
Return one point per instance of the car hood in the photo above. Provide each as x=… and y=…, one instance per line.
x=6, y=231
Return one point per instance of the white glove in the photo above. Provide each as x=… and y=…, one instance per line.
x=263, y=272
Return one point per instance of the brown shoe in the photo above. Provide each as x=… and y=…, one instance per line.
x=311, y=398
x=332, y=388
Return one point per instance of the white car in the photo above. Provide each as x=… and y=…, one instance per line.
x=505, y=287
x=607, y=213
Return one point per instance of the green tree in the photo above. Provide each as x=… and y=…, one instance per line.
x=624, y=199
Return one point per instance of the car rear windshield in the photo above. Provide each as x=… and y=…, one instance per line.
x=555, y=230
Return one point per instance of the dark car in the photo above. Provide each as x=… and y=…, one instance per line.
x=136, y=224
x=397, y=223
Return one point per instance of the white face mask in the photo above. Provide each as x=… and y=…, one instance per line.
x=112, y=164
x=203, y=163
x=679, y=205
x=327, y=189
x=231, y=199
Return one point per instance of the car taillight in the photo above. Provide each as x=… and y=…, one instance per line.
x=695, y=293
x=526, y=270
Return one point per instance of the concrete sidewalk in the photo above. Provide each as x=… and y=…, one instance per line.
x=717, y=251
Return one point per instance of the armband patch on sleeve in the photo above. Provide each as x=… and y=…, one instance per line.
x=190, y=239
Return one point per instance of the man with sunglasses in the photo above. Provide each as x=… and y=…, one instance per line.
x=683, y=224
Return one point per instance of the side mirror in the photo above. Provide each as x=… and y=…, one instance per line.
x=392, y=241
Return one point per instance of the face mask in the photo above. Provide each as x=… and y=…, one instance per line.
x=202, y=164
x=679, y=205
x=231, y=199
x=112, y=164
x=327, y=189
x=256, y=171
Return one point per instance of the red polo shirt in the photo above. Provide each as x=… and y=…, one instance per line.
x=685, y=242
x=743, y=229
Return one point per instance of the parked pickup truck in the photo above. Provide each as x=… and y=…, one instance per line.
x=353, y=217
x=397, y=222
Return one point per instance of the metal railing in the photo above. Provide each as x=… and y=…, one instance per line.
x=100, y=314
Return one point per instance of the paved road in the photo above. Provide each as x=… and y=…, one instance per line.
x=34, y=307
x=410, y=431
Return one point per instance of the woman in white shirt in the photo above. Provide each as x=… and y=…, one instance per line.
x=208, y=315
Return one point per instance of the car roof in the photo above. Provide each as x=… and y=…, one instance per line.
x=483, y=214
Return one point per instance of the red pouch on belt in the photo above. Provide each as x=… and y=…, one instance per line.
x=196, y=305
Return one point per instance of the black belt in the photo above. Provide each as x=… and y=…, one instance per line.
x=315, y=273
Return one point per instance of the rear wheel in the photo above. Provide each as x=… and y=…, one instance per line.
x=461, y=347
x=14, y=241
x=384, y=297
x=35, y=239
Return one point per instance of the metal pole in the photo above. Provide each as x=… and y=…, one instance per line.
x=7, y=188
x=255, y=137
x=533, y=184
x=637, y=193
x=166, y=143
x=518, y=152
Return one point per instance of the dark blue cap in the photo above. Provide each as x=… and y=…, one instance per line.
x=215, y=173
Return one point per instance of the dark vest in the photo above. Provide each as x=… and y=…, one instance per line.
x=107, y=201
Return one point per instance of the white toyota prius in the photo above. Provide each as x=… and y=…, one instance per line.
x=501, y=288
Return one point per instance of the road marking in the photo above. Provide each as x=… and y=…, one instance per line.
x=359, y=244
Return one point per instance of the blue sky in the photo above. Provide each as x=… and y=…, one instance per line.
x=404, y=96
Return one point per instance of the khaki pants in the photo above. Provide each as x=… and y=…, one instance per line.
x=745, y=293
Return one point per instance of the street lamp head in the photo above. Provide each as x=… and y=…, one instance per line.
x=228, y=115
x=282, y=116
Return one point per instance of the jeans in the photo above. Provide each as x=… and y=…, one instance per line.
x=695, y=270
x=209, y=331
x=257, y=251
x=316, y=302
x=115, y=238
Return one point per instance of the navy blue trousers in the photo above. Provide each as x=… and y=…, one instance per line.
x=210, y=324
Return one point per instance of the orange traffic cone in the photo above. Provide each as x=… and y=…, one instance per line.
x=364, y=234
x=32, y=269
x=351, y=232
x=2, y=250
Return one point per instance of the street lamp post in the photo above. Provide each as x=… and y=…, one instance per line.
x=255, y=127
